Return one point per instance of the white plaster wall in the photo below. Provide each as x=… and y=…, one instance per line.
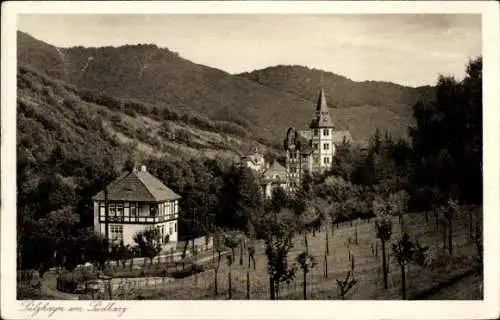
x=96, y=217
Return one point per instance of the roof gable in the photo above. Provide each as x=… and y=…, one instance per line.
x=138, y=186
x=275, y=169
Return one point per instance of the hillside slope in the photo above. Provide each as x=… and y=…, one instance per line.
x=161, y=77
x=264, y=105
x=341, y=91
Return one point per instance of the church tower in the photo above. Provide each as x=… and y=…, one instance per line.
x=322, y=136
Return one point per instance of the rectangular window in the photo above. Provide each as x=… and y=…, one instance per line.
x=170, y=229
x=293, y=170
x=316, y=160
x=133, y=209
x=326, y=146
x=326, y=132
x=119, y=209
x=116, y=232
x=112, y=210
x=326, y=160
x=315, y=146
x=175, y=226
x=315, y=132
x=152, y=210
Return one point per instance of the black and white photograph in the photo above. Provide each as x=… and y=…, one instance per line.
x=246, y=156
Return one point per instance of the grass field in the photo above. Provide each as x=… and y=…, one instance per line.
x=367, y=271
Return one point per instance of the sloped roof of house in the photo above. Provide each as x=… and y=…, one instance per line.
x=137, y=185
x=341, y=135
x=275, y=169
x=306, y=134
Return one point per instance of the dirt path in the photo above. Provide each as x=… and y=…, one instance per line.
x=49, y=287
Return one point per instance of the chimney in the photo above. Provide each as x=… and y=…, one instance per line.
x=143, y=168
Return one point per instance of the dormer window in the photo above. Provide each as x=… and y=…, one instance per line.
x=326, y=132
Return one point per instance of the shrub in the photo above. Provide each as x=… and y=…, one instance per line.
x=186, y=272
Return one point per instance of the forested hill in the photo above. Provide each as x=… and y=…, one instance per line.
x=361, y=106
x=341, y=91
x=162, y=78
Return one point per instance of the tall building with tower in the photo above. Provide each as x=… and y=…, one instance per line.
x=312, y=150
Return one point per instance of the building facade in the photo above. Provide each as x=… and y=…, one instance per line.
x=273, y=177
x=136, y=200
x=255, y=162
x=312, y=150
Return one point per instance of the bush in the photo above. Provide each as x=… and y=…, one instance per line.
x=186, y=272
x=72, y=281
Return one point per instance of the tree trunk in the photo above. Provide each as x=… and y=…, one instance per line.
x=241, y=253
x=271, y=287
x=327, y=247
x=470, y=226
x=305, y=242
x=326, y=267
x=384, y=265
x=230, y=284
x=356, y=235
x=450, y=238
x=232, y=254
x=216, y=289
x=304, y=286
x=403, y=281
x=248, y=285
x=333, y=228
x=109, y=290
x=444, y=237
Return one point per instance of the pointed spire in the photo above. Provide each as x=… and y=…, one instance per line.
x=322, y=106
x=322, y=118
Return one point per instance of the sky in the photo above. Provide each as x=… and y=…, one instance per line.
x=408, y=49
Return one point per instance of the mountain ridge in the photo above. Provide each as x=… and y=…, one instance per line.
x=159, y=76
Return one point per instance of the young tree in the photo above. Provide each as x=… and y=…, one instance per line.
x=307, y=221
x=278, y=231
x=230, y=278
x=406, y=251
x=383, y=228
x=346, y=285
x=449, y=214
x=398, y=203
x=232, y=239
x=149, y=243
x=306, y=262
x=219, y=247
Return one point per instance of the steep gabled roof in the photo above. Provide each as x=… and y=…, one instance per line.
x=137, y=185
x=322, y=118
x=275, y=169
